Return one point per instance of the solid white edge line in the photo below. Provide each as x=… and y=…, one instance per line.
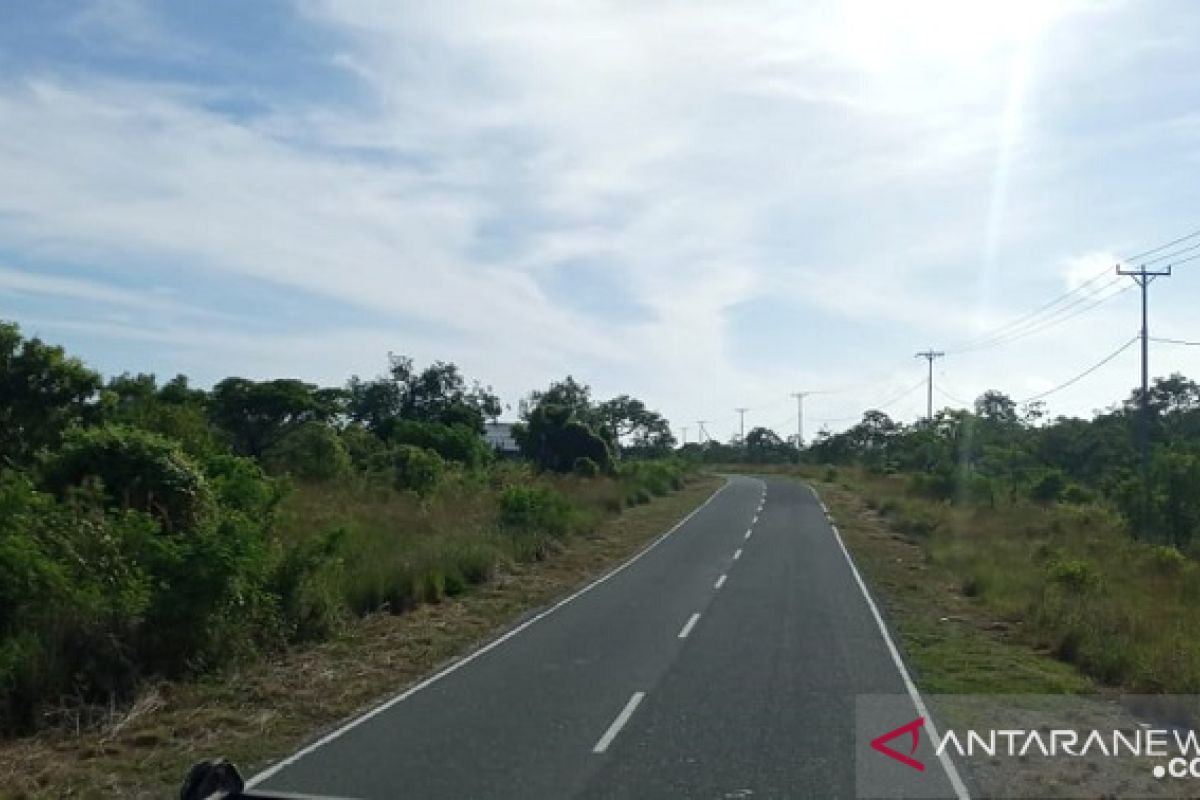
x=618, y=723
x=720, y=582
x=737, y=554
x=687, y=626
x=467, y=659
x=960, y=789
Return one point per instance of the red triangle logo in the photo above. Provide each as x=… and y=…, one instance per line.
x=880, y=743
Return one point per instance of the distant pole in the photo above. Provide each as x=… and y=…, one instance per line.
x=800, y=417
x=702, y=434
x=1143, y=277
x=684, y=428
x=929, y=355
x=742, y=413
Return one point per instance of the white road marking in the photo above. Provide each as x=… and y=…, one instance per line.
x=687, y=626
x=737, y=554
x=618, y=723
x=720, y=582
x=755, y=520
x=292, y=759
x=749, y=532
x=960, y=790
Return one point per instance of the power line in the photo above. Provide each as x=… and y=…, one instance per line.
x=1174, y=341
x=1162, y=247
x=1028, y=317
x=951, y=397
x=879, y=406
x=1008, y=332
x=1083, y=374
x=1169, y=256
x=1057, y=317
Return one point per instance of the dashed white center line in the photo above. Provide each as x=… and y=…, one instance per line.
x=687, y=626
x=755, y=520
x=720, y=582
x=618, y=723
x=749, y=532
x=737, y=554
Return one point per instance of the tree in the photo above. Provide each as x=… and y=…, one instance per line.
x=256, y=414
x=439, y=393
x=626, y=419
x=42, y=394
x=554, y=439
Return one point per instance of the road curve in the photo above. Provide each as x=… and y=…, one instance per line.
x=723, y=662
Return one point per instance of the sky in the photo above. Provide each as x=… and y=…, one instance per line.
x=705, y=205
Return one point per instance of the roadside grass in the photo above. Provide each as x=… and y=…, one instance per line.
x=1054, y=584
x=263, y=710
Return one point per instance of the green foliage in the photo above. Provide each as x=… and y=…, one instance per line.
x=414, y=469
x=535, y=509
x=311, y=451
x=438, y=394
x=554, y=439
x=137, y=470
x=255, y=415
x=42, y=394
x=459, y=443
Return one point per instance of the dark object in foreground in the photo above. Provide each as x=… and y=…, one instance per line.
x=219, y=779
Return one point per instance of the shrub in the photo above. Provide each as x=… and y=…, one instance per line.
x=137, y=469
x=312, y=451
x=239, y=483
x=414, y=468
x=1048, y=487
x=460, y=443
x=1073, y=574
x=535, y=508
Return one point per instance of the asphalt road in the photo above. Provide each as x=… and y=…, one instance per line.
x=723, y=662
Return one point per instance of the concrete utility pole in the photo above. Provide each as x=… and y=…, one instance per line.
x=1142, y=277
x=702, y=434
x=742, y=413
x=800, y=417
x=930, y=355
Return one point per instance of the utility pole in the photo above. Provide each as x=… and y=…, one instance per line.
x=742, y=413
x=684, y=429
x=930, y=355
x=1142, y=277
x=800, y=417
x=702, y=434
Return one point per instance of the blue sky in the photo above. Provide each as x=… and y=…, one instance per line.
x=708, y=205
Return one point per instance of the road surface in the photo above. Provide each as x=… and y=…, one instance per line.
x=723, y=662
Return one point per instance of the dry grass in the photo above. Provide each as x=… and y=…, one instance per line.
x=269, y=709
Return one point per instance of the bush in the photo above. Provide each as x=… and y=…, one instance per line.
x=312, y=451
x=413, y=469
x=240, y=484
x=460, y=443
x=1048, y=487
x=138, y=470
x=1073, y=574
x=535, y=509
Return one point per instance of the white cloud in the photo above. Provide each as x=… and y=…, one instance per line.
x=839, y=156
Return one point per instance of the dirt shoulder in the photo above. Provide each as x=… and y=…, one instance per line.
x=269, y=709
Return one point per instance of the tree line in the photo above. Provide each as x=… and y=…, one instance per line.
x=999, y=453
x=145, y=526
